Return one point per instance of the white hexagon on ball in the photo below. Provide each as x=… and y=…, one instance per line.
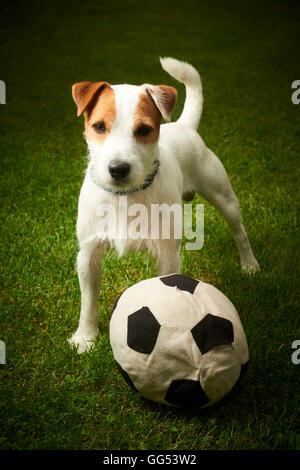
x=178, y=341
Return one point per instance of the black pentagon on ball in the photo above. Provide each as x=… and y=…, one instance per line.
x=180, y=281
x=142, y=330
x=186, y=394
x=212, y=331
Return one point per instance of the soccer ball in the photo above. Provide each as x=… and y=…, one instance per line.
x=178, y=341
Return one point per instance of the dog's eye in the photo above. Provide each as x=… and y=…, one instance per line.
x=143, y=130
x=99, y=127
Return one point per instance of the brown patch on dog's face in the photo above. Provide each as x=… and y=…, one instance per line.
x=99, y=121
x=147, y=120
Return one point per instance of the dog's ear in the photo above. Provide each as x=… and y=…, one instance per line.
x=85, y=94
x=164, y=97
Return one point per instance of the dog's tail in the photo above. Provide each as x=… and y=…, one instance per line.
x=187, y=74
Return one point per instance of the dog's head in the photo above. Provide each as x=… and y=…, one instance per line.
x=122, y=125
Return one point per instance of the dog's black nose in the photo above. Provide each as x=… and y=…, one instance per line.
x=118, y=170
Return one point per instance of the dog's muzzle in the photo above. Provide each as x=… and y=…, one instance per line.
x=123, y=172
x=118, y=170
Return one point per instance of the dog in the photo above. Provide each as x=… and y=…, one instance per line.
x=132, y=154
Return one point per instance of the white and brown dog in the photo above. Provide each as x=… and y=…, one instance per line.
x=132, y=154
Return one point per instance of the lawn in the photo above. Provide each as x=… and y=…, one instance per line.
x=248, y=57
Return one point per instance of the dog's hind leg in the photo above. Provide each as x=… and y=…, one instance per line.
x=89, y=273
x=229, y=208
x=214, y=185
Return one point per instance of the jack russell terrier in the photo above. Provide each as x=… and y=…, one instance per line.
x=131, y=154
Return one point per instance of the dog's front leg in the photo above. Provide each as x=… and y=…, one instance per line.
x=89, y=273
x=168, y=259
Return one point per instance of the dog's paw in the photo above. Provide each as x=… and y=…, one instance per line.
x=81, y=343
x=251, y=267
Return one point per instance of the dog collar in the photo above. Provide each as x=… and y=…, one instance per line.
x=147, y=181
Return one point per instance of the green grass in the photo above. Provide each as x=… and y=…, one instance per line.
x=248, y=56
